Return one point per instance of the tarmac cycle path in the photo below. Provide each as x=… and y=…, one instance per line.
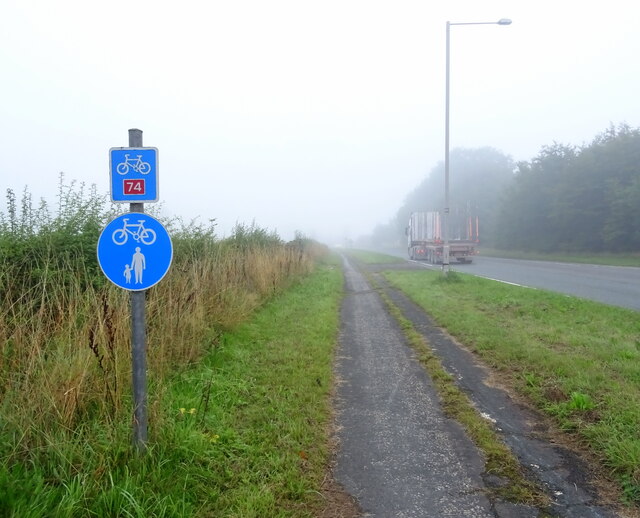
x=399, y=456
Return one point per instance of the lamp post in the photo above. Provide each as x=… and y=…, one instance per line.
x=445, y=216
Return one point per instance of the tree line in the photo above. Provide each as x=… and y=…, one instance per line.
x=568, y=198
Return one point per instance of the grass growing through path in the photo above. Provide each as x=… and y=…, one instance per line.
x=500, y=461
x=579, y=361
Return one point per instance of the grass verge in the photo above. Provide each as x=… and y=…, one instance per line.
x=368, y=257
x=241, y=433
x=577, y=360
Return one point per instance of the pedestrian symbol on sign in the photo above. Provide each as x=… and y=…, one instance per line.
x=138, y=264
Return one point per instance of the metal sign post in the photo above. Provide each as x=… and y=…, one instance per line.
x=135, y=252
x=138, y=341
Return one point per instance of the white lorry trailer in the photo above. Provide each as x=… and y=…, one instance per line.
x=426, y=240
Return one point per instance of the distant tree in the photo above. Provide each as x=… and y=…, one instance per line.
x=614, y=156
x=576, y=199
x=567, y=198
x=526, y=216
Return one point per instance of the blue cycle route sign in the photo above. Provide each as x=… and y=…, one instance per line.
x=134, y=174
x=135, y=251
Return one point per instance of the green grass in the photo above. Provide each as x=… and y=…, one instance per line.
x=368, y=257
x=577, y=360
x=585, y=258
x=241, y=433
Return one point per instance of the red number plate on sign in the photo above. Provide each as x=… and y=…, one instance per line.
x=133, y=186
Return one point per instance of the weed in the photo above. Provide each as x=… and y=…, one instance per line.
x=580, y=401
x=531, y=379
x=451, y=277
x=630, y=489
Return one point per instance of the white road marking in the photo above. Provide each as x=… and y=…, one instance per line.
x=505, y=282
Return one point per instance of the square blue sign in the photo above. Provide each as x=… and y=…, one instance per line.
x=134, y=174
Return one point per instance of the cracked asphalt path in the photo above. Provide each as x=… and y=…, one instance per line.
x=399, y=455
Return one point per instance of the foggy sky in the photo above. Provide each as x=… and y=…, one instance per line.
x=311, y=116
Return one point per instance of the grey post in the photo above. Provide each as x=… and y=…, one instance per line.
x=445, y=215
x=138, y=341
x=445, y=212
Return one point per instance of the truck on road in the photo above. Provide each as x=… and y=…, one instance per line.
x=426, y=240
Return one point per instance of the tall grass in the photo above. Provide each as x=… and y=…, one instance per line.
x=64, y=330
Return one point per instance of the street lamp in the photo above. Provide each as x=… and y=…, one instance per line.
x=445, y=216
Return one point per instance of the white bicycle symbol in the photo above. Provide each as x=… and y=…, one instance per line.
x=146, y=236
x=134, y=163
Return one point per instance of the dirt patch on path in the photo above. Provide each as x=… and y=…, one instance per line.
x=339, y=504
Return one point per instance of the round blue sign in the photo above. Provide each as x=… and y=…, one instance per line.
x=135, y=251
